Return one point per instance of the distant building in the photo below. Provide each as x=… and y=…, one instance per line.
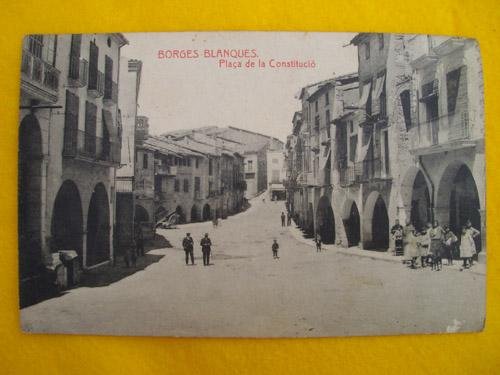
x=276, y=174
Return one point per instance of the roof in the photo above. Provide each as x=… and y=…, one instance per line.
x=163, y=145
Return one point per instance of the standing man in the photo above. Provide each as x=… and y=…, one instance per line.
x=205, y=249
x=436, y=235
x=282, y=219
x=139, y=241
x=397, y=236
x=288, y=219
x=187, y=244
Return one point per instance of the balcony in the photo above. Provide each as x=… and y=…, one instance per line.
x=166, y=170
x=96, y=83
x=78, y=72
x=445, y=133
x=39, y=79
x=369, y=170
x=110, y=92
x=347, y=176
x=80, y=145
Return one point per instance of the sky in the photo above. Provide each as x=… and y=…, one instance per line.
x=182, y=93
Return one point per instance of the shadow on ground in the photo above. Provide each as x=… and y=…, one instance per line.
x=106, y=275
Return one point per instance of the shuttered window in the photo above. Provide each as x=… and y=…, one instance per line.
x=71, y=123
x=93, y=64
x=90, y=128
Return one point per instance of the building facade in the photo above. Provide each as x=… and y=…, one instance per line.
x=408, y=143
x=69, y=149
x=276, y=172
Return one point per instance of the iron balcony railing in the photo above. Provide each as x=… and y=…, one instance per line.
x=80, y=144
x=451, y=127
x=111, y=91
x=41, y=74
x=96, y=83
x=166, y=170
x=347, y=176
x=78, y=71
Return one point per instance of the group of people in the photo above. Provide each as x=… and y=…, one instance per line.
x=433, y=243
x=137, y=248
x=206, y=248
x=286, y=220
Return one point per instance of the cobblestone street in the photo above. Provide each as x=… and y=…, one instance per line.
x=245, y=292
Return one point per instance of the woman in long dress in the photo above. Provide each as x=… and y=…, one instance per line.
x=412, y=247
x=467, y=247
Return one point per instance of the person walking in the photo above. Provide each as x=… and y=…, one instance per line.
x=206, y=247
x=397, y=236
x=275, y=248
x=436, y=236
x=139, y=241
x=288, y=219
x=467, y=248
x=450, y=241
x=282, y=219
x=188, y=244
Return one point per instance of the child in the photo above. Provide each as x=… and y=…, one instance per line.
x=275, y=248
x=318, y=243
x=450, y=241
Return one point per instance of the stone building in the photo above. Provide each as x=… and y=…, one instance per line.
x=128, y=96
x=69, y=149
x=195, y=176
x=408, y=144
x=276, y=172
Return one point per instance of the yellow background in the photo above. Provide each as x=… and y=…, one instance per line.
x=45, y=354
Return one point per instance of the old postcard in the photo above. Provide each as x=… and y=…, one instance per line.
x=251, y=184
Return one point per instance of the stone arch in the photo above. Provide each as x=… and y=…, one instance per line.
x=30, y=196
x=98, y=227
x=352, y=222
x=458, y=200
x=141, y=215
x=416, y=197
x=207, y=212
x=195, y=215
x=180, y=214
x=67, y=219
x=375, y=223
x=325, y=220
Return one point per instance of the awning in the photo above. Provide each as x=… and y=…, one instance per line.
x=325, y=158
x=379, y=86
x=107, y=118
x=364, y=95
x=363, y=149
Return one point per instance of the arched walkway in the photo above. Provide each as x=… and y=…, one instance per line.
x=207, y=212
x=98, y=227
x=352, y=223
x=325, y=221
x=67, y=219
x=30, y=169
x=195, y=216
x=416, y=197
x=375, y=223
x=181, y=215
x=458, y=199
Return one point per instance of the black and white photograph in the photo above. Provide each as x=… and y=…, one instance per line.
x=251, y=184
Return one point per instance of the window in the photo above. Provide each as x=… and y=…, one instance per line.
x=189, y=162
x=369, y=100
x=406, y=104
x=316, y=123
x=353, y=144
x=35, y=45
x=71, y=123
x=108, y=77
x=327, y=98
x=49, y=54
x=452, y=84
x=327, y=116
x=250, y=165
x=249, y=176
x=386, y=153
x=74, y=56
x=275, y=176
x=316, y=106
x=90, y=128
x=383, y=101
x=93, y=61
x=210, y=167
x=144, y=161
x=197, y=162
x=367, y=50
x=380, y=41
x=186, y=185
x=210, y=187
x=177, y=185
x=351, y=127
x=197, y=184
